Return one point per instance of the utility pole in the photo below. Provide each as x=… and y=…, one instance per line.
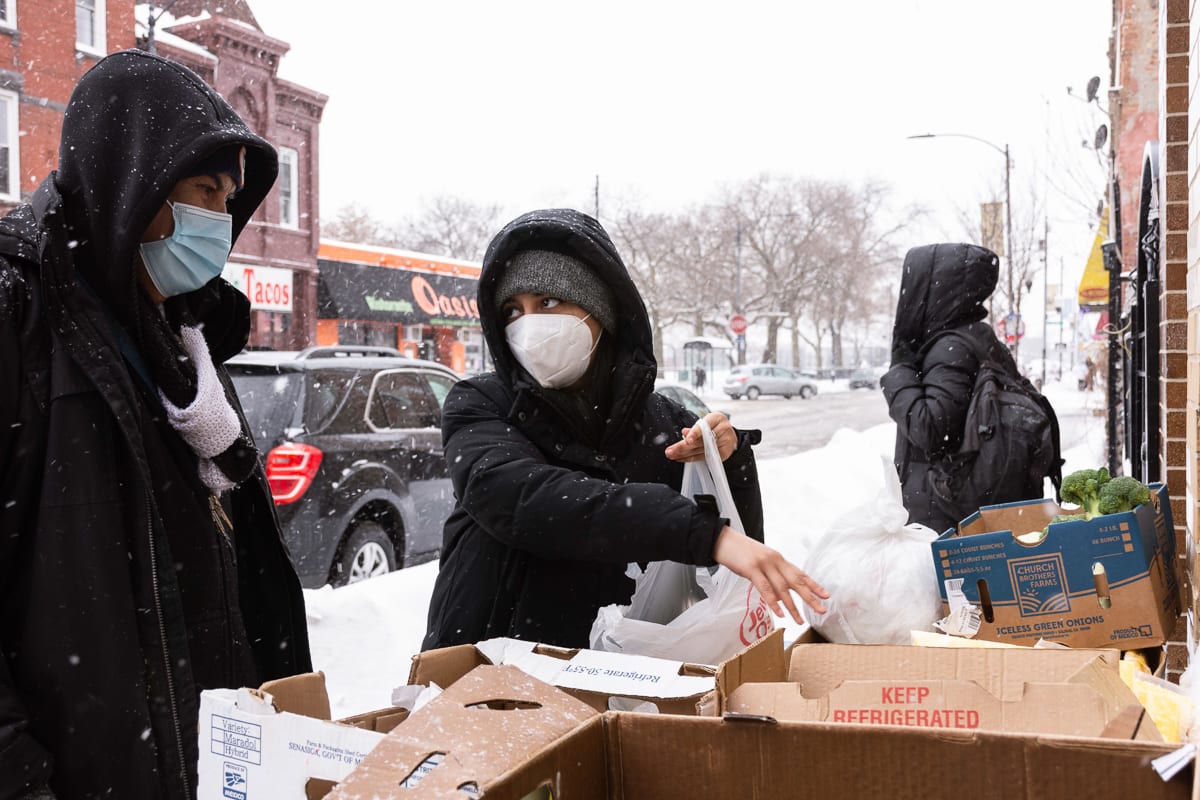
x=737, y=290
x=1008, y=244
x=1045, y=293
x=151, y=20
x=1062, y=307
x=596, y=197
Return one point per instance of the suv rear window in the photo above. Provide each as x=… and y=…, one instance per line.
x=269, y=400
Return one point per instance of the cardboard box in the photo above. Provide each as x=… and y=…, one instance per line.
x=570, y=753
x=278, y=741
x=1105, y=582
x=602, y=680
x=1022, y=690
x=493, y=723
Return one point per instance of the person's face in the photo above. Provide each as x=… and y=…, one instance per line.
x=212, y=192
x=519, y=305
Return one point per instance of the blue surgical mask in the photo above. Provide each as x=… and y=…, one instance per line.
x=193, y=254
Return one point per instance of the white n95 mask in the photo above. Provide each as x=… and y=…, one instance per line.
x=556, y=349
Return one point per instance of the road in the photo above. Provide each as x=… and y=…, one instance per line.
x=792, y=426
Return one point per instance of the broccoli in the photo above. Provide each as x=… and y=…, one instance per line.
x=1082, y=488
x=1122, y=494
x=1063, y=518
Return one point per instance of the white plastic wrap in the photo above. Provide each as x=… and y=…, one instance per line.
x=878, y=571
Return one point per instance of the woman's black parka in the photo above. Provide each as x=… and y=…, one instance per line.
x=546, y=523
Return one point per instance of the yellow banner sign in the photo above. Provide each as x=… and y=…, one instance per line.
x=1093, y=286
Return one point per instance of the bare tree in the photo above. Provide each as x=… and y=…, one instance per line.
x=865, y=254
x=780, y=223
x=653, y=246
x=450, y=226
x=355, y=223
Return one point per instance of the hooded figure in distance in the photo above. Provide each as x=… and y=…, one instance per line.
x=928, y=388
x=566, y=465
x=140, y=561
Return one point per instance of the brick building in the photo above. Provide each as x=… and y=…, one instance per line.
x=1154, y=230
x=44, y=49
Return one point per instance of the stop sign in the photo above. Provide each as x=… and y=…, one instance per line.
x=737, y=323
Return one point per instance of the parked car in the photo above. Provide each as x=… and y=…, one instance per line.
x=684, y=397
x=863, y=379
x=352, y=441
x=755, y=380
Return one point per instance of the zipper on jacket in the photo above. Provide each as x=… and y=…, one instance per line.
x=221, y=519
x=162, y=637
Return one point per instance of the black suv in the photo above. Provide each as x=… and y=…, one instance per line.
x=352, y=441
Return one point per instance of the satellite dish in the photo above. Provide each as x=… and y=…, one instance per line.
x=1101, y=136
x=1093, y=88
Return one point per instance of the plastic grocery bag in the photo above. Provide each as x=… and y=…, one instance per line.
x=682, y=612
x=878, y=571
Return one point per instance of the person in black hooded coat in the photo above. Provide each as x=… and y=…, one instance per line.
x=928, y=388
x=141, y=561
x=563, y=479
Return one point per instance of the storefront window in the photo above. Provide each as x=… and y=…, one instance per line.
x=368, y=333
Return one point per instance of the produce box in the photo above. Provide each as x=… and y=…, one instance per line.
x=502, y=735
x=278, y=742
x=1105, y=582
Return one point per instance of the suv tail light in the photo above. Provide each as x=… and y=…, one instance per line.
x=291, y=468
x=739, y=379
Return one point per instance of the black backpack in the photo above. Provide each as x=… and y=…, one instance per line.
x=1010, y=441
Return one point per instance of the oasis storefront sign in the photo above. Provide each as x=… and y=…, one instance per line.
x=269, y=288
x=386, y=294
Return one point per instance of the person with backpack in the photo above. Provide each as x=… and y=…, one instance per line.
x=140, y=558
x=970, y=429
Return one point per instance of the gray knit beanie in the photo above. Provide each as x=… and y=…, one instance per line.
x=561, y=276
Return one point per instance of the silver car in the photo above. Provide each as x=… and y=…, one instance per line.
x=755, y=380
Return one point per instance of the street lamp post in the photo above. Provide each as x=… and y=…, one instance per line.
x=152, y=18
x=1008, y=245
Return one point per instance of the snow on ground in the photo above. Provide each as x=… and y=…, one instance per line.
x=363, y=636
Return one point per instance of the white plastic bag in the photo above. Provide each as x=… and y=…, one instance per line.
x=878, y=571
x=682, y=612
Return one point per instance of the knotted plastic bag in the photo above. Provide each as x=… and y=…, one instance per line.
x=682, y=612
x=878, y=571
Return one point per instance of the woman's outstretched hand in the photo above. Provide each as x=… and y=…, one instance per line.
x=773, y=575
x=691, y=446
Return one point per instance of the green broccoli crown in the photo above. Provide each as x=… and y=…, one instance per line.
x=1123, y=494
x=1082, y=488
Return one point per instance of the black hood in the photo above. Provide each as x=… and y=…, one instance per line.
x=135, y=126
x=944, y=286
x=574, y=233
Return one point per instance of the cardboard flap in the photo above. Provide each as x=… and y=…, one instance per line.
x=1020, y=518
x=445, y=665
x=301, y=694
x=479, y=729
x=820, y=668
x=762, y=662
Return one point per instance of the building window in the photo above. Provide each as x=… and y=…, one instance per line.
x=89, y=26
x=288, y=185
x=8, y=14
x=10, y=168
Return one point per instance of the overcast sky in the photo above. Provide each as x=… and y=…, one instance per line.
x=524, y=103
